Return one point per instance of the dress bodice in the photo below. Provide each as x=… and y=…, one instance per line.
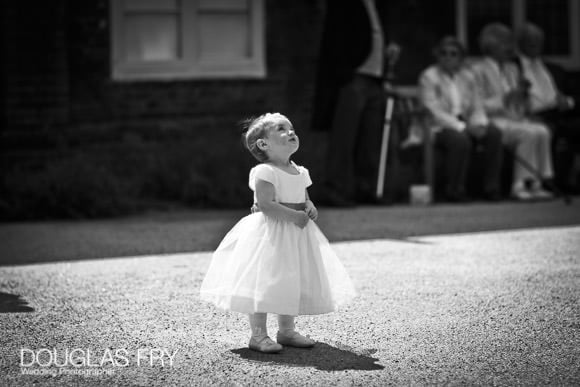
x=289, y=188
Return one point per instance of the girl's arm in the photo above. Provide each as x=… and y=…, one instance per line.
x=265, y=194
x=310, y=208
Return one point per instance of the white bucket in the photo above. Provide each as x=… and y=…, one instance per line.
x=420, y=194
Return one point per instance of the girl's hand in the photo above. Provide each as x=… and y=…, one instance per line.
x=311, y=210
x=301, y=219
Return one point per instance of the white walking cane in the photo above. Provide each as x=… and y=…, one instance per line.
x=385, y=146
x=392, y=55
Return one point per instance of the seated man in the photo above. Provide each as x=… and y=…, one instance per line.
x=549, y=103
x=458, y=121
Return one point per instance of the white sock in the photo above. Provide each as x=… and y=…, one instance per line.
x=286, y=324
x=258, y=325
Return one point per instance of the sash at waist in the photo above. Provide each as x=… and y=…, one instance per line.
x=295, y=206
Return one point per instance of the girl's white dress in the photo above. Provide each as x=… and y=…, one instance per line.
x=269, y=265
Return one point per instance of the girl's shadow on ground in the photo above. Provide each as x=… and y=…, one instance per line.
x=323, y=357
x=13, y=303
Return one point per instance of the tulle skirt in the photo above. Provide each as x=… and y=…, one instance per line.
x=273, y=266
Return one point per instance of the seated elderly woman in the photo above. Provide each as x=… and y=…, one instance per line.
x=458, y=121
x=505, y=99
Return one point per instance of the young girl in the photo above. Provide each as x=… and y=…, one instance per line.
x=276, y=260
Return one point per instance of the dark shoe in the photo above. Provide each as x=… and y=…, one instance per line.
x=370, y=198
x=455, y=197
x=492, y=196
x=373, y=201
x=547, y=185
x=561, y=188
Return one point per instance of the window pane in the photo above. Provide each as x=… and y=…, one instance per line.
x=180, y=39
x=552, y=17
x=224, y=37
x=151, y=5
x=482, y=12
x=151, y=37
x=223, y=5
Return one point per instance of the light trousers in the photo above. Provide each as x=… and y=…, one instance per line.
x=531, y=142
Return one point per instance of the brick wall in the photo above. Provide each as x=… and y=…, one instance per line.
x=105, y=110
x=66, y=101
x=35, y=69
x=291, y=47
x=59, y=87
x=58, y=70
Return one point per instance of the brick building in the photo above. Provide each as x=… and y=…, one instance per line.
x=150, y=86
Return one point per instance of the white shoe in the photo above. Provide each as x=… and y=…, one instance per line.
x=265, y=345
x=522, y=194
x=294, y=339
x=541, y=194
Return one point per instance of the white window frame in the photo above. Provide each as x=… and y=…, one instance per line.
x=571, y=61
x=190, y=66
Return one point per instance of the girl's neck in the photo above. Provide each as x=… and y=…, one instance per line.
x=280, y=162
x=286, y=166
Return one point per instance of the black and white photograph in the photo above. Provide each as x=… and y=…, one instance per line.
x=290, y=193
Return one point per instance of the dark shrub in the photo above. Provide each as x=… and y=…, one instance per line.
x=73, y=188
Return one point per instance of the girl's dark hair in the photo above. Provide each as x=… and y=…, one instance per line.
x=254, y=129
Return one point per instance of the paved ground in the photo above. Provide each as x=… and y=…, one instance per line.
x=487, y=308
x=187, y=231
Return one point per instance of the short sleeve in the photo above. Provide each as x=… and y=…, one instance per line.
x=261, y=172
x=307, y=179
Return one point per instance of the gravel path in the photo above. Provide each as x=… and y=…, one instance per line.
x=489, y=308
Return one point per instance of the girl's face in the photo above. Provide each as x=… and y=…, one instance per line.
x=281, y=140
